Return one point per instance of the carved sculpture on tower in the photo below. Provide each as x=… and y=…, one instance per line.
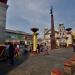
x=3, y=10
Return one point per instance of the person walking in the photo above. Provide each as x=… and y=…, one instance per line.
x=38, y=48
x=7, y=50
x=17, y=51
x=74, y=46
x=11, y=53
x=45, y=49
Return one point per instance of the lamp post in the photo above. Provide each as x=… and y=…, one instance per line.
x=37, y=41
x=34, y=30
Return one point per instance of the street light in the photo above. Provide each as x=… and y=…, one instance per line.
x=34, y=30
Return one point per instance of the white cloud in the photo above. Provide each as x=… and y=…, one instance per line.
x=35, y=11
x=28, y=13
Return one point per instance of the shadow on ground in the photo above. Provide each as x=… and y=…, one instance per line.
x=6, y=67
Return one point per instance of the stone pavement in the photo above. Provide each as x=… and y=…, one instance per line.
x=39, y=64
x=6, y=67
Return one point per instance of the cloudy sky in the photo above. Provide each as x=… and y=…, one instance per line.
x=25, y=14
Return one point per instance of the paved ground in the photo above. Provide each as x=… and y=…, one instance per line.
x=37, y=65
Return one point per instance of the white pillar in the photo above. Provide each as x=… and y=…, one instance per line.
x=69, y=40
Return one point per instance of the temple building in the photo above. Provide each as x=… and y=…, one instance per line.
x=47, y=38
x=18, y=37
x=63, y=36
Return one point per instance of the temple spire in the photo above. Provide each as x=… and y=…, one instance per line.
x=52, y=36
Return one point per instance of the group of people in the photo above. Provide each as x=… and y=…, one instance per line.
x=11, y=51
x=14, y=50
x=43, y=48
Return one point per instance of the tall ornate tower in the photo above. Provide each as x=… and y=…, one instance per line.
x=3, y=10
x=52, y=36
